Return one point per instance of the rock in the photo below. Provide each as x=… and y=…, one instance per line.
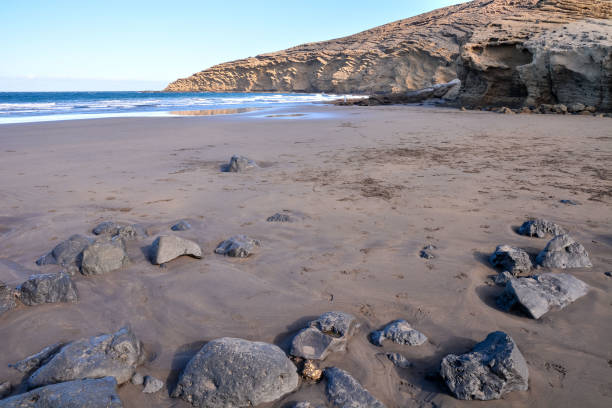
x=182, y=225
x=399, y=332
x=238, y=164
x=505, y=110
x=399, y=360
x=560, y=108
x=344, y=391
x=239, y=246
x=67, y=254
x=512, y=259
x=310, y=371
x=564, y=252
x=426, y=252
x=106, y=227
x=126, y=232
x=90, y=393
x=31, y=363
x=48, y=288
x=231, y=372
x=576, y=107
x=109, y=355
x=540, y=228
x=327, y=334
x=137, y=379
x=7, y=298
x=152, y=385
x=104, y=256
x=541, y=293
x=608, y=274
x=569, y=202
x=168, y=247
x=5, y=389
x=279, y=217
x=304, y=404
x=493, y=368
x=503, y=277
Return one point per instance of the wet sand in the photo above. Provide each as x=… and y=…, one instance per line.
x=375, y=185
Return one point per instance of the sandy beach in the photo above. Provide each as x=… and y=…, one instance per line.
x=370, y=187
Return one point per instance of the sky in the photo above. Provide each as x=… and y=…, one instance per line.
x=87, y=45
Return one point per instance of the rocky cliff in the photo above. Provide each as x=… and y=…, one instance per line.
x=506, y=52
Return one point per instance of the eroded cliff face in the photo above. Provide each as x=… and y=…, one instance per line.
x=506, y=52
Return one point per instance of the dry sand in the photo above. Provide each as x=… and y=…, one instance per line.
x=375, y=185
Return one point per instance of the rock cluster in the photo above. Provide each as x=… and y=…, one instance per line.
x=493, y=368
x=539, y=294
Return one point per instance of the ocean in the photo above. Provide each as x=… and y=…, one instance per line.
x=19, y=107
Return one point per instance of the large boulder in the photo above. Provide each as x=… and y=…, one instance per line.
x=67, y=254
x=493, y=368
x=539, y=294
x=7, y=298
x=399, y=332
x=540, y=228
x=239, y=164
x=512, y=259
x=239, y=246
x=168, y=247
x=104, y=256
x=344, y=391
x=327, y=334
x=90, y=393
x=229, y=372
x=564, y=252
x=109, y=355
x=48, y=288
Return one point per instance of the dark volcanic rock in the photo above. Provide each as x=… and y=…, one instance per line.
x=541, y=293
x=31, y=363
x=108, y=355
x=48, y=288
x=427, y=252
x=540, y=228
x=231, y=372
x=564, y=252
x=182, y=225
x=239, y=164
x=104, y=256
x=168, y=247
x=90, y=393
x=67, y=254
x=327, y=334
x=239, y=246
x=344, y=391
x=399, y=332
x=493, y=368
x=512, y=259
x=7, y=298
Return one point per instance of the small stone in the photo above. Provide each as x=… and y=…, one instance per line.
x=512, y=259
x=608, y=274
x=493, y=368
x=239, y=246
x=539, y=294
x=564, y=252
x=576, y=107
x=327, y=334
x=503, y=278
x=426, y=252
x=106, y=227
x=5, y=389
x=569, y=202
x=114, y=230
x=181, y=226
x=399, y=332
x=168, y=247
x=152, y=385
x=231, y=372
x=505, y=110
x=48, y=288
x=67, y=254
x=240, y=163
x=344, y=391
x=90, y=393
x=540, y=228
x=104, y=256
x=311, y=372
x=31, y=363
x=137, y=379
x=399, y=360
x=278, y=217
x=7, y=298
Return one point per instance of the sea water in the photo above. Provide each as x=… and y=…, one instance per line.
x=19, y=107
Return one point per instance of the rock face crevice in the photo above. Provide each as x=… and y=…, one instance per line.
x=505, y=52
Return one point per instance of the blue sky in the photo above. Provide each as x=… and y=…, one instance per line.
x=134, y=44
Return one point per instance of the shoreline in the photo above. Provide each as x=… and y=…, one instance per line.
x=374, y=184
